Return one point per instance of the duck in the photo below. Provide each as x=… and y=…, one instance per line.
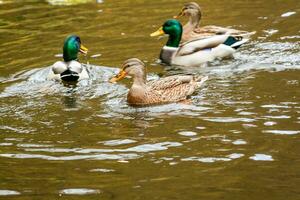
x=170, y=89
x=70, y=69
x=192, y=29
x=196, y=52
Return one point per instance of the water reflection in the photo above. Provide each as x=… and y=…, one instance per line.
x=69, y=100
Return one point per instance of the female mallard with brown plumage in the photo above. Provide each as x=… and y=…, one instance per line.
x=192, y=29
x=165, y=90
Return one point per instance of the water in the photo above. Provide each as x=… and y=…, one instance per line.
x=237, y=140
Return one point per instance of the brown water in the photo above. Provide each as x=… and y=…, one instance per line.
x=238, y=140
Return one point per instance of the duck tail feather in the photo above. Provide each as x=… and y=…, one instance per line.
x=235, y=41
x=239, y=43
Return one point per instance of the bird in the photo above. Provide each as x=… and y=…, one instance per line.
x=169, y=89
x=192, y=29
x=70, y=70
x=196, y=52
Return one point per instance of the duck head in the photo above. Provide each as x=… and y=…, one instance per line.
x=173, y=28
x=189, y=9
x=132, y=67
x=72, y=46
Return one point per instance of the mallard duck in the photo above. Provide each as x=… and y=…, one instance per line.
x=70, y=69
x=195, y=52
x=192, y=29
x=165, y=90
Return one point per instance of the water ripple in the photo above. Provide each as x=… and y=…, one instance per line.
x=102, y=170
x=228, y=119
x=118, y=142
x=9, y=192
x=122, y=156
x=79, y=191
x=282, y=132
x=277, y=117
x=187, y=133
x=76, y=157
x=261, y=157
x=214, y=159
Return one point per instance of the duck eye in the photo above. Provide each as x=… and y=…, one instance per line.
x=126, y=66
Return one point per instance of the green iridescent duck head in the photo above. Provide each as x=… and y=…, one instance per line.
x=72, y=46
x=173, y=28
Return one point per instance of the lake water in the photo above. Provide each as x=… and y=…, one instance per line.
x=239, y=139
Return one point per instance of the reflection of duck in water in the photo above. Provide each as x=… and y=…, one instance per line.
x=70, y=69
x=165, y=90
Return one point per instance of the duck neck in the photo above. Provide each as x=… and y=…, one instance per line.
x=174, y=40
x=139, y=80
x=194, y=20
x=69, y=56
x=70, y=51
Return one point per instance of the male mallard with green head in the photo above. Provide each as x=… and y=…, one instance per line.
x=70, y=69
x=195, y=52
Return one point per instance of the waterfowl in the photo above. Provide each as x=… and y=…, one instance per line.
x=70, y=69
x=165, y=90
x=192, y=29
x=195, y=52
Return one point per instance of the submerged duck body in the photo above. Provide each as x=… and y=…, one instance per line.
x=165, y=90
x=70, y=69
x=195, y=52
x=193, y=30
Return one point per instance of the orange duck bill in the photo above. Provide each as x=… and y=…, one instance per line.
x=118, y=77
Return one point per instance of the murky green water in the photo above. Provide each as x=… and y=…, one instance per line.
x=238, y=140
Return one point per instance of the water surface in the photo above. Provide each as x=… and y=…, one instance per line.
x=239, y=139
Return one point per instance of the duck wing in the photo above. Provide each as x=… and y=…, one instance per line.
x=211, y=30
x=169, y=82
x=196, y=45
x=173, y=88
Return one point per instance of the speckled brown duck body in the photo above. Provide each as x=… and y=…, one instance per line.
x=165, y=90
x=192, y=29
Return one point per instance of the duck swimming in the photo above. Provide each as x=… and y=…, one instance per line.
x=165, y=90
x=192, y=29
x=196, y=52
x=70, y=69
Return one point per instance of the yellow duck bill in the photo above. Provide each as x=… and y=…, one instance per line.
x=83, y=49
x=118, y=77
x=159, y=32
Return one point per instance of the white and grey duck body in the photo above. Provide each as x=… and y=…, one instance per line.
x=196, y=52
x=70, y=69
x=165, y=90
